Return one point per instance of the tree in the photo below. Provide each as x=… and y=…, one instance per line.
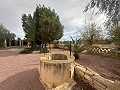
x=36, y=17
x=28, y=24
x=51, y=28
x=92, y=34
x=5, y=34
x=115, y=35
x=44, y=26
x=110, y=7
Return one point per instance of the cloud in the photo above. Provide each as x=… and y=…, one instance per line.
x=70, y=12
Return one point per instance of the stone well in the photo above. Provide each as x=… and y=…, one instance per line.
x=56, y=69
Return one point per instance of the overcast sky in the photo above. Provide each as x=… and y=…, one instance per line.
x=70, y=12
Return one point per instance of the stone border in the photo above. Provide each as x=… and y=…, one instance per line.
x=94, y=79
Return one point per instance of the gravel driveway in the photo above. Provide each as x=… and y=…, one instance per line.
x=19, y=72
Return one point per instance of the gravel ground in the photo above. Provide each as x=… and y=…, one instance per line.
x=106, y=67
x=19, y=72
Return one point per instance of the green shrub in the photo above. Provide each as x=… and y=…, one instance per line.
x=44, y=50
x=26, y=51
x=77, y=47
x=55, y=44
x=114, y=54
x=35, y=48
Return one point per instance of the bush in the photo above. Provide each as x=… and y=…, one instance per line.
x=77, y=47
x=35, y=48
x=114, y=54
x=55, y=44
x=44, y=50
x=26, y=51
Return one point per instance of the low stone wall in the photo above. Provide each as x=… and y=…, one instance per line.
x=101, y=50
x=95, y=80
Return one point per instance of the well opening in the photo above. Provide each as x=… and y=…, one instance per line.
x=59, y=57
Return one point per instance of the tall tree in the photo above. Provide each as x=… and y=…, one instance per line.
x=92, y=34
x=110, y=7
x=36, y=17
x=50, y=26
x=28, y=24
x=44, y=26
x=115, y=35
